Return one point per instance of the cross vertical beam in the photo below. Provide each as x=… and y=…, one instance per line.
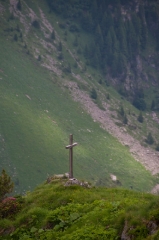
x=71, y=158
x=70, y=147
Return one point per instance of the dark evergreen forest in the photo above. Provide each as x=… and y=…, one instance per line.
x=120, y=32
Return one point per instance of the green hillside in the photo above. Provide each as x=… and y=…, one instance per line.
x=35, y=131
x=37, y=111
x=54, y=211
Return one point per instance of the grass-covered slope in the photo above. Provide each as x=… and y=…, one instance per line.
x=36, y=120
x=37, y=114
x=53, y=211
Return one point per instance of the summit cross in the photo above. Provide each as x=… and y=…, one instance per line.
x=70, y=147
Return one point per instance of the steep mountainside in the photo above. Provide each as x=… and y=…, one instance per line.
x=55, y=81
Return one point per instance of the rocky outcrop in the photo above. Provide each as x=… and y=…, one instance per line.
x=74, y=181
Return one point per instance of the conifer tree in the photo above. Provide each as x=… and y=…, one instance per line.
x=94, y=9
x=6, y=185
x=140, y=118
x=143, y=37
x=121, y=111
x=93, y=93
x=157, y=147
x=15, y=37
x=149, y=139
x=52, y=35
x=109, y=48
x=121, y=35
x=99, y=36
x=137, y=24
x=59, y=46
x=86, y=55
x=103, y=24
x=75, y=42
x=19, y=6
x=110, y=20
x=125, y=119
x=114, y=64
x=133, y=44
x=152, y=105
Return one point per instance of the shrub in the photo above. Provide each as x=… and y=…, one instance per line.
x=8, y=207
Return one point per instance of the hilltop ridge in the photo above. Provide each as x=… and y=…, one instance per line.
x=55, y=211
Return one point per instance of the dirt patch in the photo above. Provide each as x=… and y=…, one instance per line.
x=45, y=21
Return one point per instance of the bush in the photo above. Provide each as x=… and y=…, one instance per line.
x=8, y=207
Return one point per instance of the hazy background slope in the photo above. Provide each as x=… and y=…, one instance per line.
x=37, y=112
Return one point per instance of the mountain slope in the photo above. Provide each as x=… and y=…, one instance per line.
x=38, y=113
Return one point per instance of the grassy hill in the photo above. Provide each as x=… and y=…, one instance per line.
x=37, y=112
x=54, y=211
x=36, y=119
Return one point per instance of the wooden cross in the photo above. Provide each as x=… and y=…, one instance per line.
x=71, y=155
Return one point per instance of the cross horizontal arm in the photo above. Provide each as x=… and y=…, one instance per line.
x=71, y=146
